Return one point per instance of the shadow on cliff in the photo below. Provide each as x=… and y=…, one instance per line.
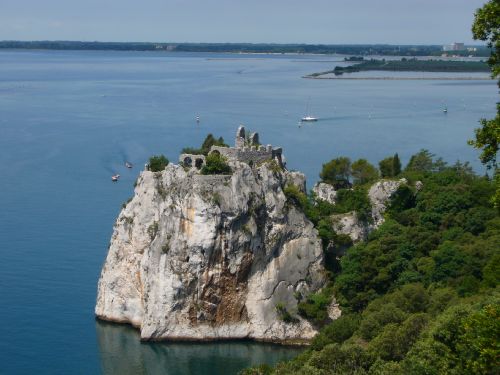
x=122, y=352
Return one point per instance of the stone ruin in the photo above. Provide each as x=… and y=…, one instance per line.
x=192, y=160
x=246, y=149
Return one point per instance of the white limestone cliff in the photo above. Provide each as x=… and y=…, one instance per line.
x=325, y=192
x=380, y=194
x=195, y=257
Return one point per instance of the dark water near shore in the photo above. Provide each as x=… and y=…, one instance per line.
x=68, y=120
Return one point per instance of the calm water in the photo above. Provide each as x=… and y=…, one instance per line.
x=68, y=120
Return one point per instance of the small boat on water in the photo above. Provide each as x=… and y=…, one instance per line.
x=128, y=165
x=115, y=177
x=308, y=118
x=445, y=110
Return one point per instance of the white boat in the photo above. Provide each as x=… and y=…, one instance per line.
x=308, y=117
x=128, y=165
x=115, y=177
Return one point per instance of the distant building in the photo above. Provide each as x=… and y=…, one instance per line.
x=454, y=47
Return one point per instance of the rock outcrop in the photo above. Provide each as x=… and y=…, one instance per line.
x=196, y=257
x=325, y=192
x=349, y=223
x=380, y=194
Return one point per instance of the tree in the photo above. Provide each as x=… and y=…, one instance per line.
x=423, y=162
x=390, y=167
x=486, y=27
x=363, y=172
x=209, y=141
x=337, y=172
x=478, y=345
x=396, y=165
x=157, y=163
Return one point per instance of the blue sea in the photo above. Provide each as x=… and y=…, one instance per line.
x=69, y=120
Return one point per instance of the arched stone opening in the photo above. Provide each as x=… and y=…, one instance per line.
x=198, y=163
x=188, y=162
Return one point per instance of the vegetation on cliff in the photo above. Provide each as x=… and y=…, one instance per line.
x=421, y=295
x=157, y=163
x=215, y=163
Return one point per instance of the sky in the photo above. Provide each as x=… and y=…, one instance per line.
x=253, y=21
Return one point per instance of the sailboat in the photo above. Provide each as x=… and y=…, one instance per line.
x=308, y=117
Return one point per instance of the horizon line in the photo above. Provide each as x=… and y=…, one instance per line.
x=232, y=43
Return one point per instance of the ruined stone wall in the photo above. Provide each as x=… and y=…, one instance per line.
x=246, y=154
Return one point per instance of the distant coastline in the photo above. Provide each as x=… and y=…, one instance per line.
x=407, y=66
x=248, y=48
x=405, y=78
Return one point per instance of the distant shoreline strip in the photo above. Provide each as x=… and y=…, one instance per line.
x=406, y=78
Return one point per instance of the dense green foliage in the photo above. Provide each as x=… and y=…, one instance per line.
x=424, y=162
x=421, y=295
x=487, y=27
x=157, y=163
x=215, y=163
x=363, y=172
x=209, y=141
x=390, y=167
x=339, y=172
x=315, y=305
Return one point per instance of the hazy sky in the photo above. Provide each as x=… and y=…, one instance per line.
x=279, y=21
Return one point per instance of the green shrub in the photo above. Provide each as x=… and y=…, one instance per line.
x=157, y=163
x=337, y=331
x=315, y=307
x=215, y=163
x=296, y=197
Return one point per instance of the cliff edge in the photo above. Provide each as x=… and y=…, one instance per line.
x=207, y=257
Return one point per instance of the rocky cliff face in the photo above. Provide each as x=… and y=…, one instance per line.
x=379, y=194
x=196, y=257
